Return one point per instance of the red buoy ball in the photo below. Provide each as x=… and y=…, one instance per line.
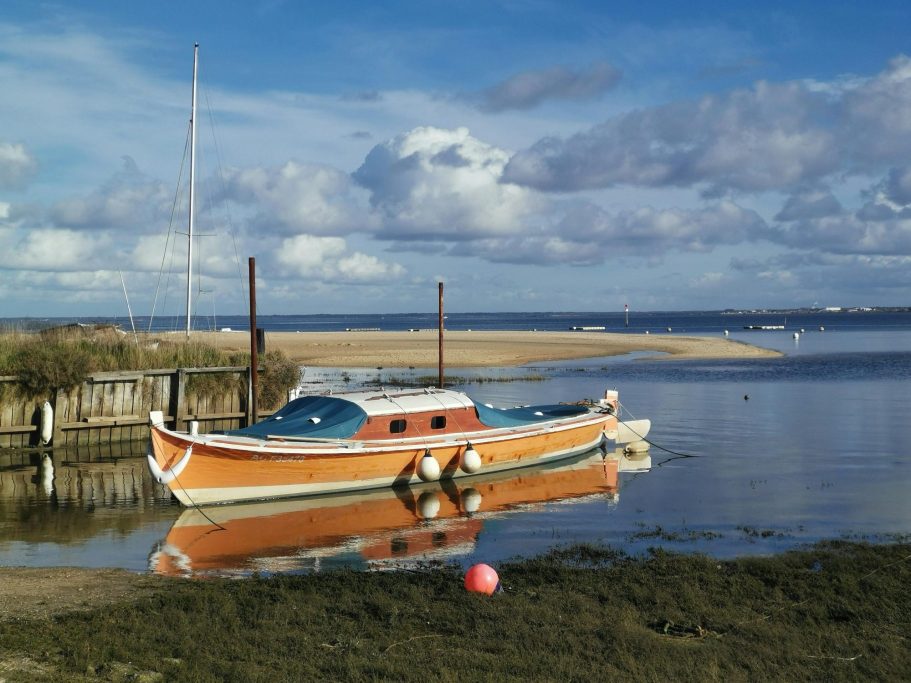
x=482, y=578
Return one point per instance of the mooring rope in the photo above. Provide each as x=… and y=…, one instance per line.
x=193, y=502
x=652, y=443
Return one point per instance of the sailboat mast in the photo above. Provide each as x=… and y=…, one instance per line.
x=192, y=219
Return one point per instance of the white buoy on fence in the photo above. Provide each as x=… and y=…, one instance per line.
x=194, y=428
x=47, y=423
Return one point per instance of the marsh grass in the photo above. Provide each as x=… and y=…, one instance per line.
x=47, y=362
x=837, y=611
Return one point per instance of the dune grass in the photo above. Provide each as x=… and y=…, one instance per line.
x=47, y=362
x=837, y=611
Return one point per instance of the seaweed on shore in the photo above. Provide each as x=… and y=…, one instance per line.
x=837, y=610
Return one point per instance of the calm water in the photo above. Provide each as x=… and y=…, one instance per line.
x=652, y=321
x=821, y=448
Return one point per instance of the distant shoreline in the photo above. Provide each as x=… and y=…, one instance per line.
x=476, y=349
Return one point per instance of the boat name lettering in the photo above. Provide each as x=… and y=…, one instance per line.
x=277, y=458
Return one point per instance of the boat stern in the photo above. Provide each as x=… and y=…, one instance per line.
x=168, y=454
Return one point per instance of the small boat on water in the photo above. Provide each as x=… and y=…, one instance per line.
x=374, y=439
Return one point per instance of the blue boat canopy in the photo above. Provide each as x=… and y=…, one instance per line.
x=323, y=417
x=515, y=417
x=330, y=417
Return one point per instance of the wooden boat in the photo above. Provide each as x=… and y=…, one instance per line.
x=375, y=439
x=431, y=521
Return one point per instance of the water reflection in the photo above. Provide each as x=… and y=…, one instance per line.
x=377, y=529
x=68, y=496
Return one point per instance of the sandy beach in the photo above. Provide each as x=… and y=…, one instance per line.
x=477, y=349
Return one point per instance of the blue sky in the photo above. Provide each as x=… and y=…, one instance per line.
x=533, y=155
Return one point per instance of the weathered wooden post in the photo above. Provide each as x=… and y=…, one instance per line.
x=440, y=361
x=179, y=398
x=254, y=356
x=61, y=403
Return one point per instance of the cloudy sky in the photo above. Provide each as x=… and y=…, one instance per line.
x=534, y=155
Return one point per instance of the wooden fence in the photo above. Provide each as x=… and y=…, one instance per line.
x=110, y=407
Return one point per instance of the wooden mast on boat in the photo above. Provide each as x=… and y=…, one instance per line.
x=192, y=188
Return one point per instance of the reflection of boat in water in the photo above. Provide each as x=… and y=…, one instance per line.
x=376, y=527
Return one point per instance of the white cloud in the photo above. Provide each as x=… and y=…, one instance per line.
x=441, y=184
x=755, y=139
x=815, y=220
x=845, y=279
x=587, y=235
x=16, y=165
x=52, y=250
x=359, y=267
x=325, y=258
x=129, y=201
x=295, y=197
x=771, y=136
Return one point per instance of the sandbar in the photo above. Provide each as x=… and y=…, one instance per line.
x=477, y=349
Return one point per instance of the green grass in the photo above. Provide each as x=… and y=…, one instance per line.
x=837, y=611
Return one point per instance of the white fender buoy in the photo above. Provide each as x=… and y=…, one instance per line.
x=428, y=505
x=471, y=500
x=169, y=475
x=726, y=333
x=632, y=430
x=47, y=423
x=471, y=460
x=428, y=468
x=194, y=428
x=796, y=336
x=822, y=329
x=636, y=447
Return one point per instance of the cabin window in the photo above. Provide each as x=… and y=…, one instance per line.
x=397, y=426
x=438, y=422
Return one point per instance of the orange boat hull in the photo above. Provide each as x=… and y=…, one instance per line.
x=226, y=469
